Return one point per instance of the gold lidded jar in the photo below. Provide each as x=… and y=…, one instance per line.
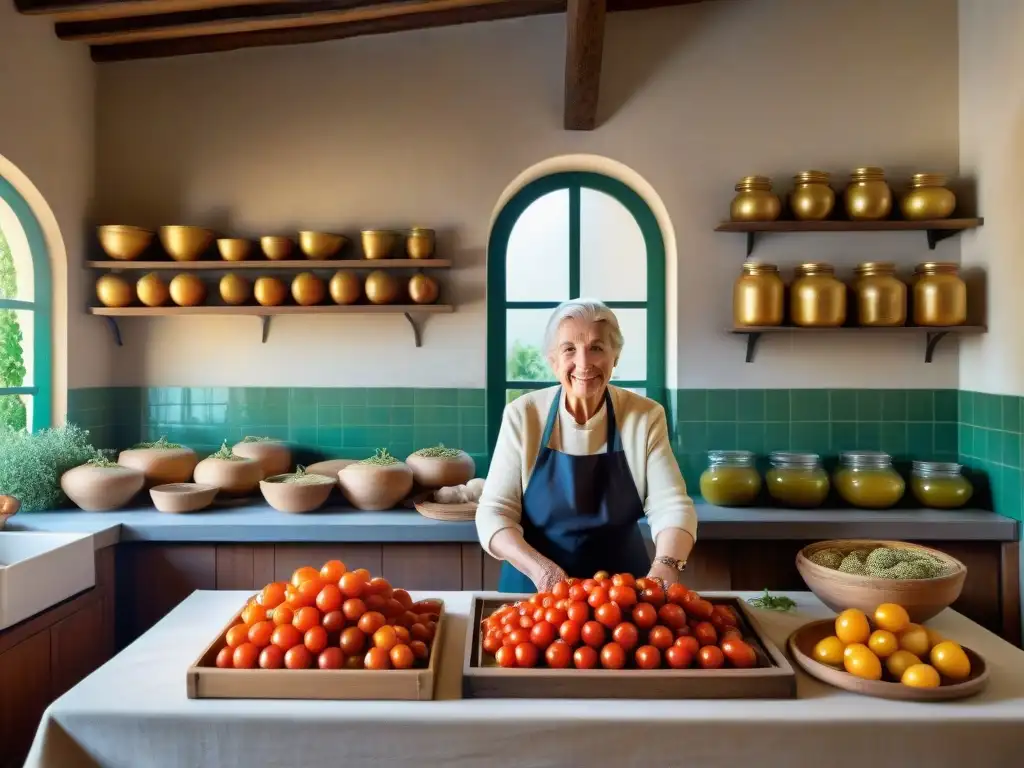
x=940, y=485
x=927, y=199
x=755, y=201
x=758, y=296
x=817, y=298
x=881, y=296
x=419, y=243
x=868, y=196
x=731, y=479
x=866, y=479
x=797, y=479
x=812, y=199
x=940, y=294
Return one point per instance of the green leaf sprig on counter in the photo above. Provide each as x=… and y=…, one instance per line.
x=31, y=464
x=771, y=602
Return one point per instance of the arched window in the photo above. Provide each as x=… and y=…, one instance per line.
x=25, y=316
x=561, y=237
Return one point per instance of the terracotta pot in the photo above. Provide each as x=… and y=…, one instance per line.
x=296, y=497
x=161, y=465
x=329, y=468
x=435, y=472
x=234, y=477
x=375, y=487
x=274, y=457
x=101, y=489
x=182, y=497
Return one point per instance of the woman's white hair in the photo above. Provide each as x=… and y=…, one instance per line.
x=585, y=310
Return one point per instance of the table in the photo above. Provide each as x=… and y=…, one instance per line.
x=133, y=712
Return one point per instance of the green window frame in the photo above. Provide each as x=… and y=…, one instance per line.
x=41, y=308
x=498, y=305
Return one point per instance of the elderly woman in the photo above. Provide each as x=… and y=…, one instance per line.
x=578, y=464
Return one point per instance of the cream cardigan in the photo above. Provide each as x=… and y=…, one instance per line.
x=644, y=433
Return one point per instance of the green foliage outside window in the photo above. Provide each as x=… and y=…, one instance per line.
x=12, y=357
x=526, y=363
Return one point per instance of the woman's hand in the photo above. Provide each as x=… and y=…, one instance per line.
x=546, y=575
x=664, y=574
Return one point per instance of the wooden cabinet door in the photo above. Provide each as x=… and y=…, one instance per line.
x=24, y=695
x=77, y=647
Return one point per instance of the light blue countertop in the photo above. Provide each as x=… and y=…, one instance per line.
x=258, y=523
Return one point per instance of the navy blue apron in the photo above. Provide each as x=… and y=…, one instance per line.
x=581, y=511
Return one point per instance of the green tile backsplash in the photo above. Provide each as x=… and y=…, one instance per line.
x=990, y=444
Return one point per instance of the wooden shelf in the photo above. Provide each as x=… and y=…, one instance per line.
x=286, y=264
x=933, y=334
x=936, y=231
x=265, y=313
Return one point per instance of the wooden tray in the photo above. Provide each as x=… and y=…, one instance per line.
x=204, y=680
x=801, y=645
x=447, y=512
x=774, y=678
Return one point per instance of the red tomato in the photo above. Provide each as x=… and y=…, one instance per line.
x=260, y=633
x=527, y=622
x=315, y=639
x=672, y=616
x=624, y=597
x=518, y=637
x=237, y=635
x=613, y=656
x=273, y=595
x=543, y=634
x=420, y=650
x=660, y=637
x=375, y=603
x=225, y=657
x=676, y=594
x=333, y=622
x=271, y=657
x=593, y=634
x=379, y=586
x=506, y=656
x=526, y=655
x=555, y=616
x=700, y=609
x=678, y=657
x=598, y=597
x=569, y=631
x=286, y=636
x=560, y=590
x=492, y=642
x=298, y=657
x=623, y=580
x=306, y=617
x=689, y=644
x=683, y=631
x=377, y=658
x=585, y=657
x=626, y=635
x=710, y=657
x=371, y=621
x=330, y=658
x=283, y=614
x=653, y=594
x=538, y=614
x=332, y=571
x=352, y=641
x=705, y=633
x=577, y=593
x=645, y=616
x=730, y=632
x=355, y=662
x=403, y=597
x=648, y=657
x=558, y=655
x=330, y=598
x=589, y=584
x=351, y=584
x=608, y=614
x=402, y=657
x=724, y=614
x=739, y=653
x=578, y=612
x=601, y=576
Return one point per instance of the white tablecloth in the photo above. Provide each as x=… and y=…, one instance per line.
x=133, y=713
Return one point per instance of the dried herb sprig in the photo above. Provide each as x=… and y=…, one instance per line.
x=771, y=602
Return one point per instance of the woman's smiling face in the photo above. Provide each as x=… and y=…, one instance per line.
x=582, y=358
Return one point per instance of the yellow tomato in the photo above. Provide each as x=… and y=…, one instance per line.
x=915, y=639
x=900, y=662
x=829, y=651
x=859, y=661
x=852, y=626
x=892, y=617
x=951, y=661
x=934, y=638
x=921, y=676
x=883, y=643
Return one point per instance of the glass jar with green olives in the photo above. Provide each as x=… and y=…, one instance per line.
x=867, y=479
x=940, y=485
x=797, y=479
x=731, y=479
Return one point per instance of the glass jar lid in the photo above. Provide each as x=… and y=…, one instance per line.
x=868, y=172
x=730, y=458
x=812, y=177
x=935, y=267
x=754, y=182
x=865, y=460
x=875, y=268
x=928, y=180
x=936, y=468
x=759, y=268
x=793, y=460
x=815, y=268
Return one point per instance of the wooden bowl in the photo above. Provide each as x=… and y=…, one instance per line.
x=123, y=242
x=801, y=647
x=182, y=497
x=184, y=243
x=923, y=598
x=447, y=512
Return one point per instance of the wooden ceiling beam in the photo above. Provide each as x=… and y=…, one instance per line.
x=96, y=10
x=584, y=48
x=450, y=15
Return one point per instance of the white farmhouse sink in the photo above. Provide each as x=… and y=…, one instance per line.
x=39, y=570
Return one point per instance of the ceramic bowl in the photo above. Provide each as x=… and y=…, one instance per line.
x=182, y=497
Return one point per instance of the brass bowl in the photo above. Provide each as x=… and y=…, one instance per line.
x=184, y=243
x=419, y=243
x=234, y=248
x=378, y=243
x=123, y=242
x=320, y=245
x=276, y=248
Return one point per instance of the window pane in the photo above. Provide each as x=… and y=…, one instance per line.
x=633, y=360
x=613, y=255
x=15, y=411
x=16, y=278
x=16, y=347
x=524, y=356
x=512, y=394
x=537, y=261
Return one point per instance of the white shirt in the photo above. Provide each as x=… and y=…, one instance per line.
x=643, y=430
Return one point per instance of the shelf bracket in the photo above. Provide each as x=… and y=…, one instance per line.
x=752, y=338
x=933, y=338
x=417, y=330
x=265, y=322
x=750, y=245
x=936, y=236
x=115, y=330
